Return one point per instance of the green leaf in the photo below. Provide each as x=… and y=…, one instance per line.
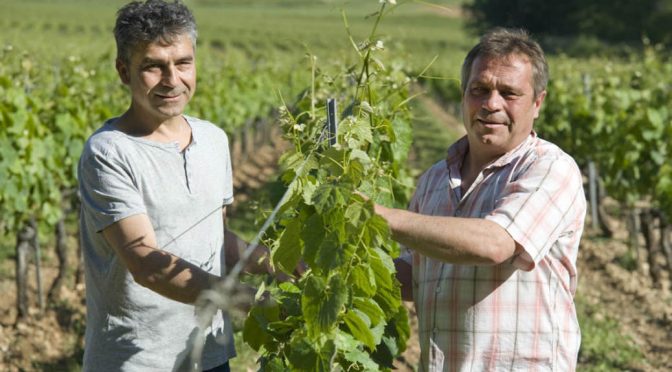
x=288, y=253
x=655, y=117
x=385, y=352
x=357, y=133
x=322, y=302
x=378, y=231
x=378, y=331
x=289, y=297
x=309, y=356
x=330, y=196
x=359, y=329
x=403, y=139
x=393, y=342
x=312, y=235
x=271, y=364
x=398, y=327
x=255, y=327
x=380, y=263
x=363, y=280
x=282, y=329
x=308, y=188
x=353, y=213
x=361, y=156
x=352, y=352
x=369, y=307
x=332, y=161
x=64, y=123
x=330, y=255
x=388, y=297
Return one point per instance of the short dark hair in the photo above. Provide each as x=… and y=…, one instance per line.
x=142, y=23
x=502, y=43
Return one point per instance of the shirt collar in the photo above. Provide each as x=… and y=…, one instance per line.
x=459, y=149
x=194, y=132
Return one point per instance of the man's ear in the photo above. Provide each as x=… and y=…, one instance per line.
x=123, y=71
x=537, y=103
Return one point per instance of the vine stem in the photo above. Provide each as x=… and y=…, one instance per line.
x=365, y=62
x=219, y=297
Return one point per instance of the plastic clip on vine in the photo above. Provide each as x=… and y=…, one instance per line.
x=332, y=122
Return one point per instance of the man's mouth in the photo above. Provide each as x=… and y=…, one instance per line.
x=168, y=96
x=491, y=122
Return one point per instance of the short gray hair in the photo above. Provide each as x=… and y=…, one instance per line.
x=502, y=43
x=154, y=20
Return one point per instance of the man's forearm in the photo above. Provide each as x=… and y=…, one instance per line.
x=470, y=241
x=171, y=276
x=133, y=239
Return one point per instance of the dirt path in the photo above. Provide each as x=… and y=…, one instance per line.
x=252, y=170
x=434, y=107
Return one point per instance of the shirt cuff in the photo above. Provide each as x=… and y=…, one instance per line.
x=523, y=260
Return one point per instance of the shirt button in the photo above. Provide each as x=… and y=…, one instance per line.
x=438, y=289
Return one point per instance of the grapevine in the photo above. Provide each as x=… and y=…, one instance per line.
x=346, y=310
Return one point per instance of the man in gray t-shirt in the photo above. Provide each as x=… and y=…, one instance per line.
x=154, y=186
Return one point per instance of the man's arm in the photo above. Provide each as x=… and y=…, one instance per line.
x=469, y=241
x=134, y=240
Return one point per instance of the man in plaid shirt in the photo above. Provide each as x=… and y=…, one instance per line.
x=494, y=229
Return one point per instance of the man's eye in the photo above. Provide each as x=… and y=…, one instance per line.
x=478, y=91
x=184, y=64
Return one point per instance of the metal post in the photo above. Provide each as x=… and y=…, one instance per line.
x=592, y=179
x=332, y=124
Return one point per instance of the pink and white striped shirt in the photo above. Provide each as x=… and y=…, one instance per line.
x=519, y=315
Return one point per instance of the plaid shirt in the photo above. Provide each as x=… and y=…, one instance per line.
x=518, y=315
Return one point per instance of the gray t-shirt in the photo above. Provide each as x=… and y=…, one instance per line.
x=129, y=327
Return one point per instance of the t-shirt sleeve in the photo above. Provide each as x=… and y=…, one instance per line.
x=539, y=206
x=228, y=172
x=108, y=192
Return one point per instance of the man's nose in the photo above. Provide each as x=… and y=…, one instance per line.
x=492, y=101
x=170, y=76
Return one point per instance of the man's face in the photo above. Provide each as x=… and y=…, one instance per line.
x=499, y=106
x=161, y=77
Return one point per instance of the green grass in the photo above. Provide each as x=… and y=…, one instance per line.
x=246, y=357
x=275, y=30
x=7, y=247
x=604, y=347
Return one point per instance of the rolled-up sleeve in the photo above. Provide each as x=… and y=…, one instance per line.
x=538, y=206
x=107, y=190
